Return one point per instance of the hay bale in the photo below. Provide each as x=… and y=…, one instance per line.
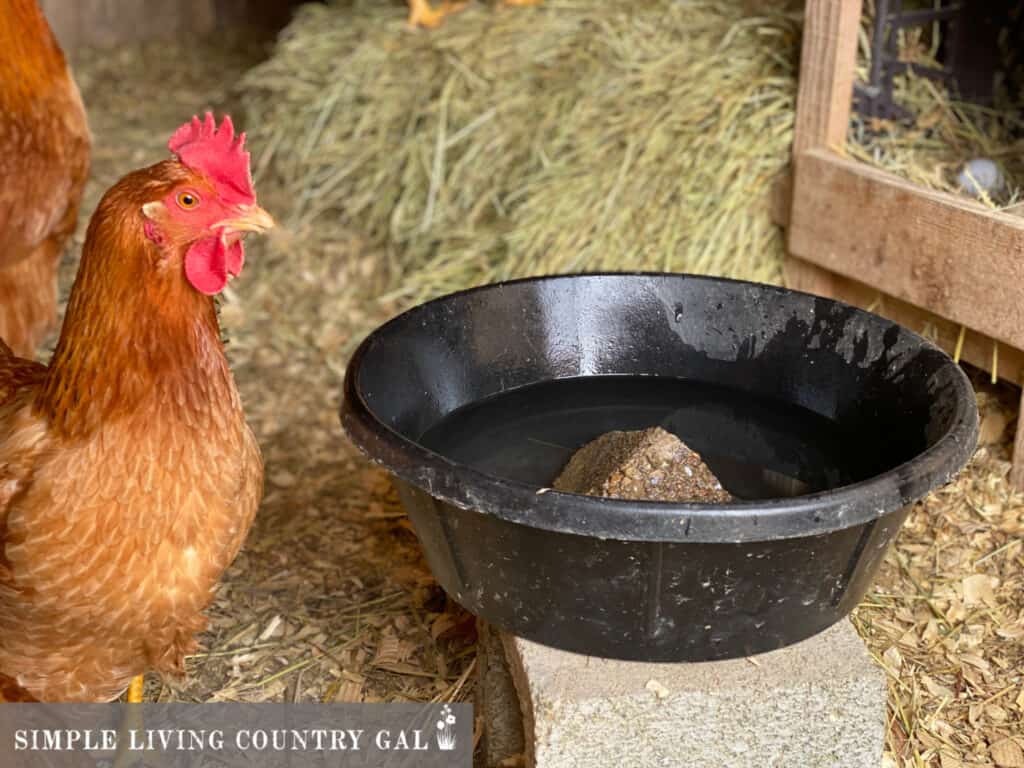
x=574, y=136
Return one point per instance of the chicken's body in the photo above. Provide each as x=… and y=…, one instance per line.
x=128, y=475
x=44, y=162
x=12, y=693
x=116, y=538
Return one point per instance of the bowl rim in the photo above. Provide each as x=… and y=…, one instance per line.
x=858, y=503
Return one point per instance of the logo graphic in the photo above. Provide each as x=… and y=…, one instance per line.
x=446, y=730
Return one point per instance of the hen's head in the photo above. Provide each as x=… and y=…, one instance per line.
x=210, y=204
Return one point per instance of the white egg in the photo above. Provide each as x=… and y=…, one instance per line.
x=980, y=175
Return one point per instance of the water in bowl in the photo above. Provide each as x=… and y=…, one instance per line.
x=758, y=448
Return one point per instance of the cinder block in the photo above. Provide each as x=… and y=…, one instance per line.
x=820, y=702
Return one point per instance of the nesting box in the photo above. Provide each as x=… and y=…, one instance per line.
x=926, y=259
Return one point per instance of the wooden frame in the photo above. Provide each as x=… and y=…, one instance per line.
x=935, y=262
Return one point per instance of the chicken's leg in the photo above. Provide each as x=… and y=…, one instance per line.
x=135, y=689
x=422, y=15
x=132, y=722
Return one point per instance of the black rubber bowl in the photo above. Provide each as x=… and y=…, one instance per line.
x=656, y=581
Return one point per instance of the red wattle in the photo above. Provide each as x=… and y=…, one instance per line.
x=206, y=266
x=235, y=258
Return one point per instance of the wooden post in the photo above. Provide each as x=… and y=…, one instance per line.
x=827, y=63
x=1017, y=457
x=1017, y=471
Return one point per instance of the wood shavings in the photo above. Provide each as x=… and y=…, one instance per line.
x=992, y=427
x=949, y=604
x=979, y=589
x=658, y=689
x=1007, y=753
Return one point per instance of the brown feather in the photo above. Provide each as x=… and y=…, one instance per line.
x=12, y=693
x=44, y=162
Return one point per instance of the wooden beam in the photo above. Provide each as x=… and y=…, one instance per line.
x=976, y=348
x=780, y=198
x=106, y=23
x=1017, y=471
x=828, y=59
x=804, y=276
x=937, y=251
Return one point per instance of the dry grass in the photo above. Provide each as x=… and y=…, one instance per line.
x=330, y=599
x=574, y=136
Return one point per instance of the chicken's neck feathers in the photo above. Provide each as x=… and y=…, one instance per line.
x=136, y=338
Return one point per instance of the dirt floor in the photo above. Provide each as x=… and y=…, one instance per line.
x=330, y=600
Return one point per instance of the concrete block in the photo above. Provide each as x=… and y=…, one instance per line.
x=820, y=702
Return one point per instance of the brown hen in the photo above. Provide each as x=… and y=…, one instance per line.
x=128, y=475
x=44, y=162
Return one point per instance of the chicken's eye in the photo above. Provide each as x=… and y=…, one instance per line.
x=188, y=200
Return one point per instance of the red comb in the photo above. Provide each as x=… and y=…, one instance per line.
x=218, y=155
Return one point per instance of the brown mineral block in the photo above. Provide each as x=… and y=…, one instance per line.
x=651, y=465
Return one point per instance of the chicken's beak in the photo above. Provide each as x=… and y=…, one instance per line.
x=252, y=218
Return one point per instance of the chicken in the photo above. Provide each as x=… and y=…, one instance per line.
x=128, y=475
x=12, y=693
x=44, y=162
x=421, y=14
